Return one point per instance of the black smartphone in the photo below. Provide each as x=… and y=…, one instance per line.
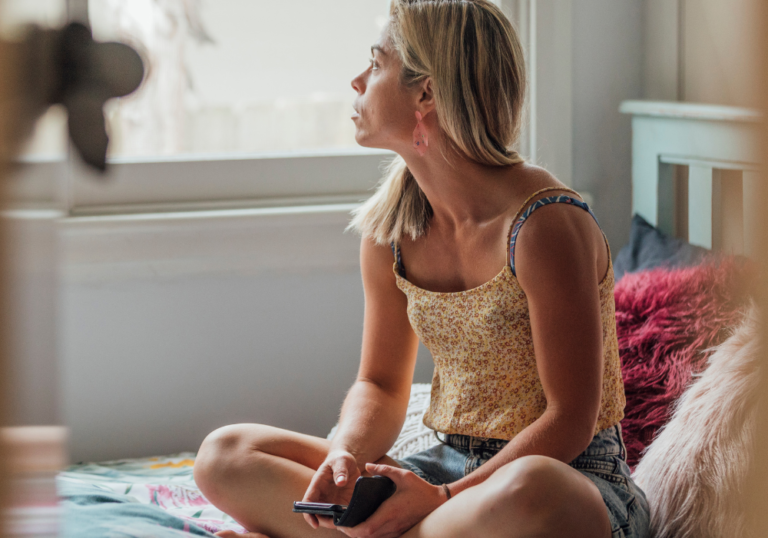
x=319, y=509
x=369, y=493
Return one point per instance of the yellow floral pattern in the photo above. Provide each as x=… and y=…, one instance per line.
x=486, y=383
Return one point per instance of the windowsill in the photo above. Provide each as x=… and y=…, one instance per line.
x=207, y=214
x=218, y=156
x=196, y=182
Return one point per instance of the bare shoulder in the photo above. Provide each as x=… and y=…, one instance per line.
x=376, y=262
x=563, y=238
x=531, y=178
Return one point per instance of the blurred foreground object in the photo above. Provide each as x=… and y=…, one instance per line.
x=45, y=68
x=34, y=455
x=65, y=67
x=755, y=497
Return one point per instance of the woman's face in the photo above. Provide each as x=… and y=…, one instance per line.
x=385, y=110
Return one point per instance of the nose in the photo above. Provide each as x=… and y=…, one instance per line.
x=358, y=83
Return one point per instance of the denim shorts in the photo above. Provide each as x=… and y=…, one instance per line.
x=603, y=462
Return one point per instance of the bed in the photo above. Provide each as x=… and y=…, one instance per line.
x=694, y=177
x=695, y=171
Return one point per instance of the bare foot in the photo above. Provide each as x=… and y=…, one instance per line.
x=233, y=534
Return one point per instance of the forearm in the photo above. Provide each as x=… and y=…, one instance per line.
x=371, y=419
x=556, y=435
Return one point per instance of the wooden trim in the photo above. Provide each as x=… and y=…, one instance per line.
x=691, y=111
x=720, y=165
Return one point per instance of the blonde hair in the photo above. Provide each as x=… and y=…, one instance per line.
x=472, y=53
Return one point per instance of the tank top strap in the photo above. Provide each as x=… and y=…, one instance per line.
x=534, y=195
x=520, y=211
x=524, y=213
x=398, y=258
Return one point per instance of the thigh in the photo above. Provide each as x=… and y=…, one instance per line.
x=530, y=497
x=306, y=450
x=254, y=473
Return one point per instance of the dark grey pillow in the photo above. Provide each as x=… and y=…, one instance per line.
x=649, y=247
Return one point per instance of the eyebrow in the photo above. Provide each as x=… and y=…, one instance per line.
x=378, y=48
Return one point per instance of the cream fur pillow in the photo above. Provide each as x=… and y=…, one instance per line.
x=694, y=471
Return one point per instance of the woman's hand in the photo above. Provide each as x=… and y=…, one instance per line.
x=334, y=482
x=414, y=500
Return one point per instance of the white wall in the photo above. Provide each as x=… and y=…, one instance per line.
x=589, y=58
x=718, y=39
x=607, y=69
x=34, y=392
x=700, y=51
x=152, y=366
x=171, y=328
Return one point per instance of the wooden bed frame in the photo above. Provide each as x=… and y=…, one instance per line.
x=695, y=170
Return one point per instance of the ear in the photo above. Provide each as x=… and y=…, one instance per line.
x=426, y=97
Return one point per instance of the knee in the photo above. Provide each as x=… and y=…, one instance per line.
x=222, y=455
x=527, y=493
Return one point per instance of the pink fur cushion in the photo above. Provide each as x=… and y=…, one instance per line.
x=666, y=319
x=695, y=470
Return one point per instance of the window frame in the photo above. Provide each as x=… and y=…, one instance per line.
x=216, y=182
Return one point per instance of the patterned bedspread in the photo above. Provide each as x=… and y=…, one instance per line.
x=138, y=498
x=158, y=498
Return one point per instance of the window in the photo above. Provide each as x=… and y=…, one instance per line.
x=239, y=76
x=247, y=103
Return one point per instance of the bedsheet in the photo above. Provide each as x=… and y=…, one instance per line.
x=137, y=498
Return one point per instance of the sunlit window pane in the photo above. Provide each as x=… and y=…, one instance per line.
x=240, y=76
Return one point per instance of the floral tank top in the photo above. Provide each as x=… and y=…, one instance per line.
x=485, y=382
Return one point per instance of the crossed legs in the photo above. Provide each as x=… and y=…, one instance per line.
x=254, y=473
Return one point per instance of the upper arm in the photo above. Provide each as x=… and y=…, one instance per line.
x=389, y=343
x=560, y=259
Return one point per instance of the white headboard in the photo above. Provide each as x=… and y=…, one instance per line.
x=694, y=171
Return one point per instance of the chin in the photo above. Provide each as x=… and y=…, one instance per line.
x=363, y=140
x=367, y=141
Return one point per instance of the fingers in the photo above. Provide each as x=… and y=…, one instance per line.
x=312, y=520
x=393, y=473
x=343, y=467
x=326, y=522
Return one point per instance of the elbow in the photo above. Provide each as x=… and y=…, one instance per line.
x=579, y=427
x=587, y=434
x=393, y=390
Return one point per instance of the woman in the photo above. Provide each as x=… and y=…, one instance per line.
x=516, y=306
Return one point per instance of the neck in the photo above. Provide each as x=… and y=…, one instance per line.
x=460, y=191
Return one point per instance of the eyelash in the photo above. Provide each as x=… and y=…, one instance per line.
x=373, y=63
